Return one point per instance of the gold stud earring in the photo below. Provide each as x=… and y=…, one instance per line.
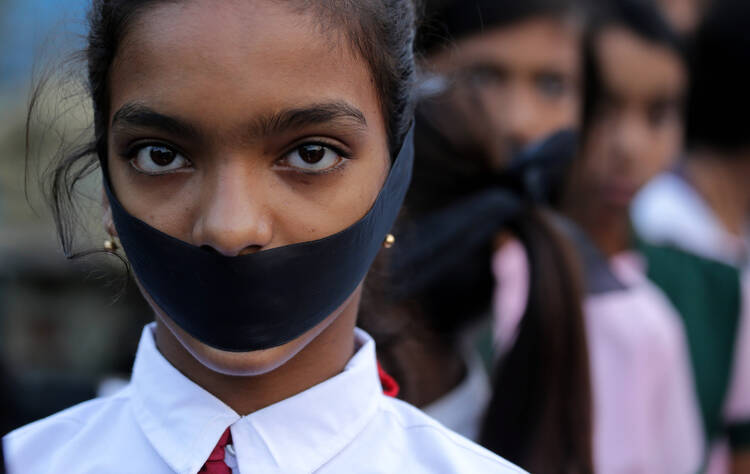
x=110, y=245
x=390, y=239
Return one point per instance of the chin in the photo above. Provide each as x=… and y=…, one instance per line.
x=241, y=364
x=236, y=364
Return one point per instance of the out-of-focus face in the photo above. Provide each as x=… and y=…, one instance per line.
x=684, y=15
x=636, y=130
x=526, y=77
x=240, y=127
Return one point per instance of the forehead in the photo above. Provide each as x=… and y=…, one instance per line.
x=535, y=43
x=236, y=57
x=635, y=68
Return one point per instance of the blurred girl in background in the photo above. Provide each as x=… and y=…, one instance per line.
x=500, y=75
x=645, y=410
x=702, y=206
x=467, y=159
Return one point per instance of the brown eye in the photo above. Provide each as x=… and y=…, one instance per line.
x=551, y=85
x=158, y=159
x=162, y=156
x=312, y=154
x=313, y=158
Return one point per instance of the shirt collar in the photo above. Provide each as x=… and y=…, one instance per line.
x=183, y=422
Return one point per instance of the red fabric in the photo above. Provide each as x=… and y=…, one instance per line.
x=215, y=463
x=389, y=384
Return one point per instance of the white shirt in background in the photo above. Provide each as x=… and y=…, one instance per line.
x=670, y=211
x=463, y=408
x=162, y=422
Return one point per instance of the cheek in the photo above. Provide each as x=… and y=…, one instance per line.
x=562, y=112
x=666, y=148
x=313, y=211
x=169, y=206
x=572, y=110
x=597, y=155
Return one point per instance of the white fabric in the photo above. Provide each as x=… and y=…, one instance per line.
x=669, y=211
x=162, y=423
x=462, y=409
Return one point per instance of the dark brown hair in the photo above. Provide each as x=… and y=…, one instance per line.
x=540, y=413
x=719, y=75
x=380, y=31
x=540, y=416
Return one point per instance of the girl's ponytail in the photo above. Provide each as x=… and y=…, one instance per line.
x=540, y=413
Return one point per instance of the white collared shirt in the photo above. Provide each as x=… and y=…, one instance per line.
x=162, y=422
x=669, y=211
x=463, y=408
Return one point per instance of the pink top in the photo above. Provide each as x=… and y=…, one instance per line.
x=646, y=417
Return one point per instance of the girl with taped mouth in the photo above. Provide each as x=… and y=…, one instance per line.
x=254, y=155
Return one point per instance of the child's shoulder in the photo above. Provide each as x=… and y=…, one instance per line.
x=74, y=417
x=436, y=445
x=64, y=431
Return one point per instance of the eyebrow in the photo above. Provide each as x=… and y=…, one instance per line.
x=138, y=115
x=314, y=114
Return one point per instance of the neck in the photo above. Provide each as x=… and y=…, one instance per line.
x=723, y=183
x=430, y=367
x=608, y=227
x=322, y=358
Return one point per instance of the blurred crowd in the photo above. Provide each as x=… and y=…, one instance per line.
x=569, y=285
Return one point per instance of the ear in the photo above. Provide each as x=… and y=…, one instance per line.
x=107, y=221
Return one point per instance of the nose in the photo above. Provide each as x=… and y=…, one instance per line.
x=631, y=139
x=520, y=121
x=234, y=216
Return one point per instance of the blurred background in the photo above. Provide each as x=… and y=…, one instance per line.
x=66, y=327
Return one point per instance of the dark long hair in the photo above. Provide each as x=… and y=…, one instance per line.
x=446, y=21
x=381, y=31
x=540, y=413
x=719, y=75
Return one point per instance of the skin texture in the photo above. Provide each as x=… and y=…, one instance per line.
x=741, y=463
x=525, y=79
x=684, y=15
x=635, y=134
x=230, y=72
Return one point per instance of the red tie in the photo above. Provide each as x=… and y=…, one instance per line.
x=215, y=463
